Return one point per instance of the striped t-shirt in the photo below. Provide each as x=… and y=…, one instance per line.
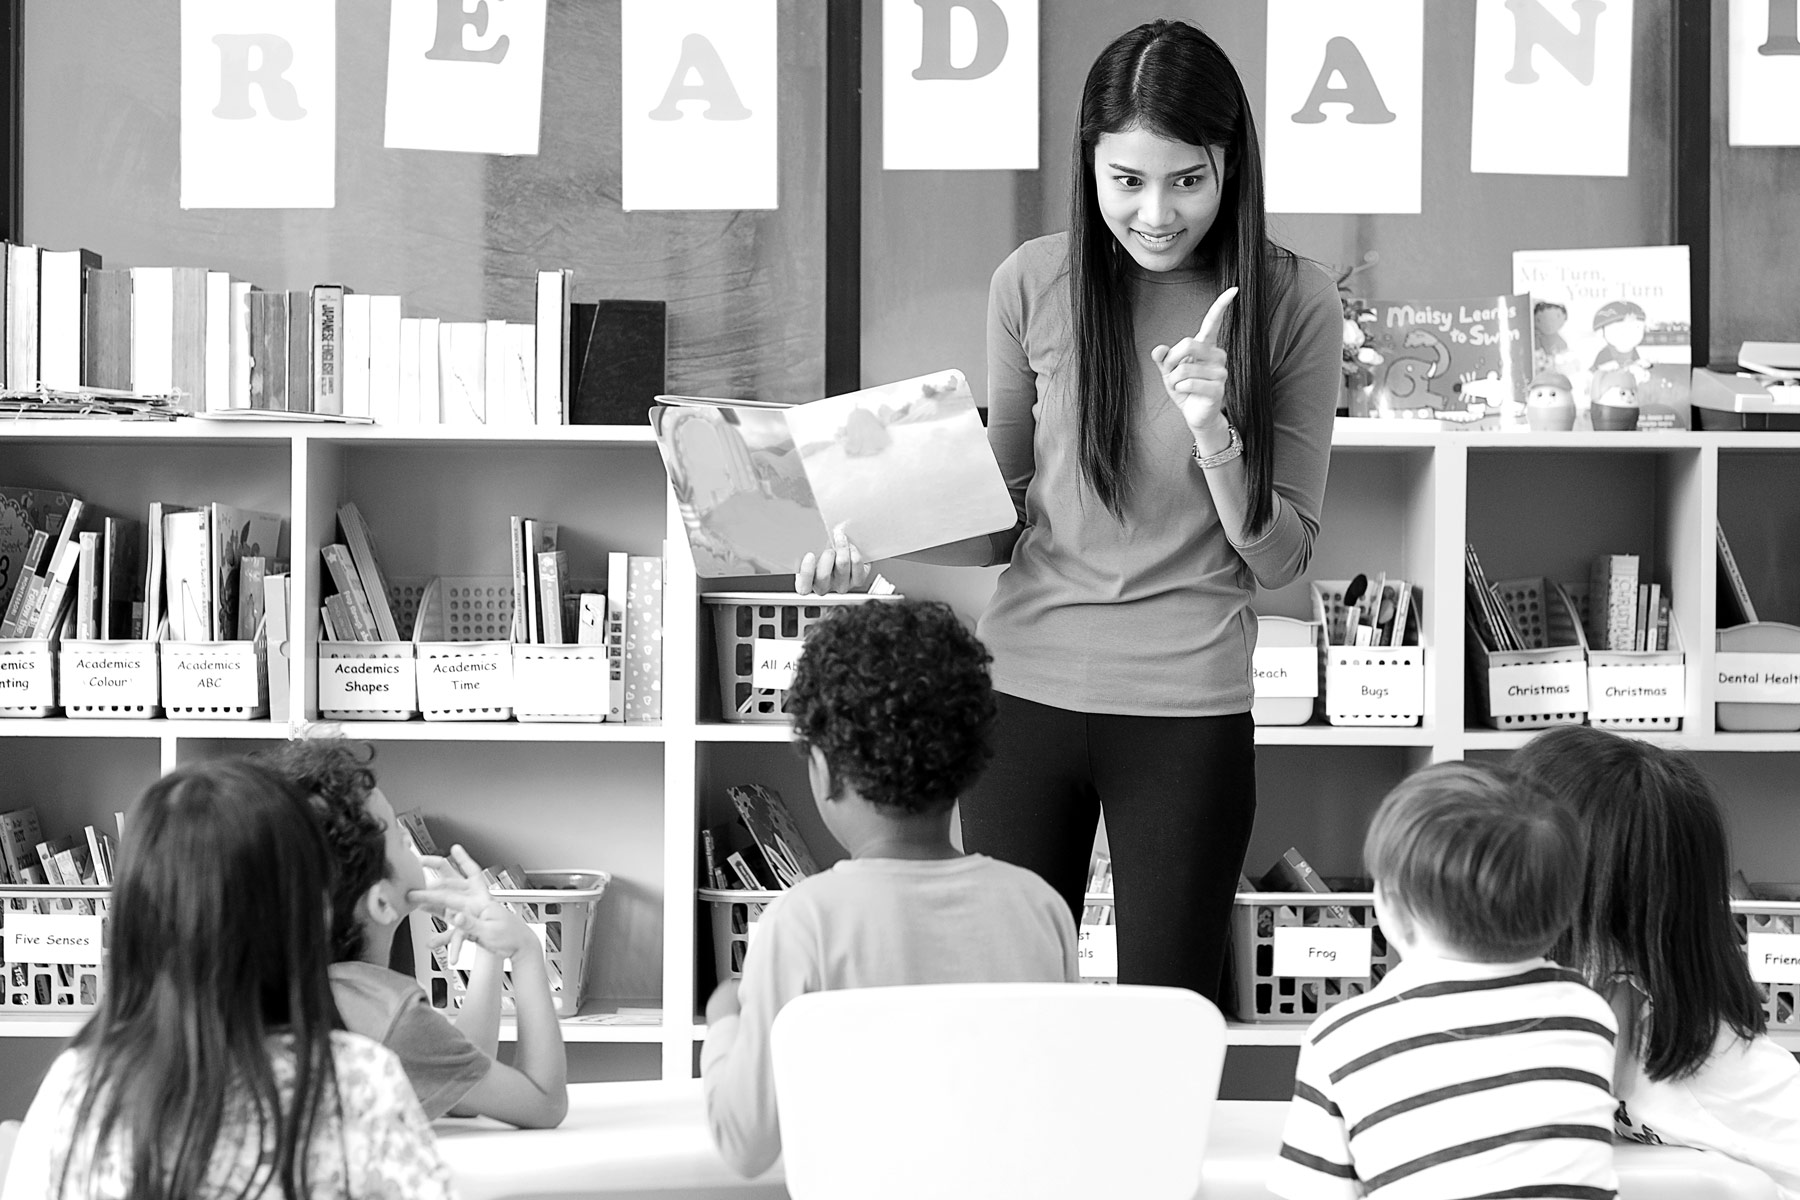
x=1455, y=1079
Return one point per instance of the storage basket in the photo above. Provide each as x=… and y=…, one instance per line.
x=219, y=681
x=1095, y=952
x=562, y=903
x=733, y=913
x=110, y=679
x=1263, y=996
x=1757, y=666
x=743, y=619
x=560, y=683
x=1633, y=670
x=1781, y=995
x=465, y=638
x=27, y=677
x=1369, y=685
x=1553, y=638
x=1284, y=671
x=380, y=681
x=30, y=987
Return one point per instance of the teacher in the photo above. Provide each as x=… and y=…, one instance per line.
x=1162, y=380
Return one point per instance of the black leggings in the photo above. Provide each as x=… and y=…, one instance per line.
x=1180, y=797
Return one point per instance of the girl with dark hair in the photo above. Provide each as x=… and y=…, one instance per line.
x=1162, y=380
x=211, y=1068
x=1654, y=931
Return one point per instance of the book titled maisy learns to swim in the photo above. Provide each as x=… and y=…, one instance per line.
x=899, y=467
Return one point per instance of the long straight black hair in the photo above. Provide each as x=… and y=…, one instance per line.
x=1656, y=904
x=219, y=940
x=1173, y=80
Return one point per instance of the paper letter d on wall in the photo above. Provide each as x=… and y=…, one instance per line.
x=698, y=84
x=959, y=85
x=258, y=104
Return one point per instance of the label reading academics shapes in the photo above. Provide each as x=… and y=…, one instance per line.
x=1625, y=693
x=51, y=938
x=1375, y=689
x=1306, y=952
x=1285, y=671
x=1097, y=951
x=1747, y=678
x=773, y=661
x=1774, y=957
x=1555, y=687
x=367, y=684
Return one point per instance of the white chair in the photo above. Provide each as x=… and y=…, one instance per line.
x=996, y=1091
x=9, y=1133
x=1676, y=1173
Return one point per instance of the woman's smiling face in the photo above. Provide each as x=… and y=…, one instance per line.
x=1159, y=197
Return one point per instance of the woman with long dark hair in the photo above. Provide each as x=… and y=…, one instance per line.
x=211, y=1068
x=1161, y=385
x=1655, y=933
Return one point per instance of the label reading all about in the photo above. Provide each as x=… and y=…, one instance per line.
x=1553, y=687
x=772, y=662
x=1097, y=951
x=52, y=938
x=1304, y=952
x=367, y=684
x=1748, y=678
x=1631, y=693
x=1774, y=957
x=27, y=681
x=1285, y=671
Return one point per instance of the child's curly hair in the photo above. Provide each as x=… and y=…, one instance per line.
x=896, y=695
x=337, y=780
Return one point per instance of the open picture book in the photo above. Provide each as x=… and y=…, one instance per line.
x=899, y=467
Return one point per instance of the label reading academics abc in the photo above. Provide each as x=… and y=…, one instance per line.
x=226, y=679
x=53, y=938
x=1307, y=952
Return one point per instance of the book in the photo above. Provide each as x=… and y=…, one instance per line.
x=741, y=869
x=87, y=591
x=44, y=608
x=643, y=638
x=327, y=335
x=1292, y=873
x=408, y=410
x=269, y=350
x=236, y=532
x=250, y=600
x=493, y=375
x=217, y=357
x=521, y=623
x=553, y=570
x=62, y=315
x=1464, y=362
x=25, y=582
x=1735, y=605
x=187, y=352
x=550, y=400
x=1612, y=601
x=618, y=571
x=106, y=356
x=358, y=620
x=618, y=360
x=22, y=264
x=275, y=617
x=1664, y=617
x=25, y=512
x=709, y=860
x=240, y=346
x=384, y=359
x=590, y=619
x=353, y=363
x=19, y=836
x=188, y=573
x=1640, y=618
x=778, y=840
x=1624, y=308
x=300, y=351
x=462, y=372
x=368, y=569
x=540, y=536
x=156, y=594
x=511, y=350
x=1647, y=627
x=431, y=398
x=897, y=468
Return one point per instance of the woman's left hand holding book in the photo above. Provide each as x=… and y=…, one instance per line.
x=839, y=567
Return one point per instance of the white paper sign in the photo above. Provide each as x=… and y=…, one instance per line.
x=1097, y=951
x=1285, y=671
x=27, y=681
x=98, y=674
x=1626, y=693
x=697, y=89
x=1375, y=689
x=50, y=938
x=471, y=681
x=1558, y=687
x=1306, y=952
x=258, y=103
x=1763, y=87
x=554, y=683
x=465, y=76
x=772, y=662
x=959, y=85
x=221, y=679
x=1750, y=678
x=1774, y=957
x=367, y=684
x=1552, y=87
x=1346, y=84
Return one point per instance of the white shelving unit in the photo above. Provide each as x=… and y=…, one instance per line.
x=631, y=798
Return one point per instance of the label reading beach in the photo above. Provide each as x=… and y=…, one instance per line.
x=555, y=683
x=1623, y=693
x=223, y=680
x=1097, y=951
x=27, y=681
x=773, y=661
x=1757, y=678
x=482, y=680
x=1375, y=689
x=1774, y=957
x=1285, y=671
x=366, y=684
x=1305, y=952
x=43, y=938
x=1558, y=687
x=109, y=674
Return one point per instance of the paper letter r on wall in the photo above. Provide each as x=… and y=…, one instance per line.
x=452, y=19
x=236, y=76
x=1345, y=61
x=991, y=35
x=1573, y=48
x=712, y=84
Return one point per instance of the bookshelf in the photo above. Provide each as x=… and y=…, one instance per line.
x=630, y=799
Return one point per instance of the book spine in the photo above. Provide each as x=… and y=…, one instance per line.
x=87, y=592
x=643, y=639
x=22, y=364
x=240, y=345
x=384, y=359
x=187, y=363
x=250, y=595
x=1736, y=578
x=431, y=395
x=300, y=351
x=551, y=388
x=521, y=594
x=354, y=361
x=327, y=341
x=275, y=612
x=552, y=565
x=153, y=330
x=618, y=585
x=218, y=340
x=349, y=586
x=1621, y=600
x=268, y=350
x=106, y=357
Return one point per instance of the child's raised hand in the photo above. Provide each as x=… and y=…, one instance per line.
x=460, y=895
x=1194, y=370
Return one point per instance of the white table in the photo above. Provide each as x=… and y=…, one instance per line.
x=649, y=1141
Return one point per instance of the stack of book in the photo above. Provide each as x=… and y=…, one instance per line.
x=358, y=611
x=1625, y=613
x=27, y=858
x=762, y=850
x=1490, y=619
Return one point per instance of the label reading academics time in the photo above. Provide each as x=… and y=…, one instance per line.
x=1304, y=951
x=1285, y=671
x=773, y=661
x=476, y=680
x=53, y=938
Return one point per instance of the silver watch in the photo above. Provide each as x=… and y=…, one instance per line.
x=1233, y=449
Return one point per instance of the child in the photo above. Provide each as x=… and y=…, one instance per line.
x=1654, y=930
x=892, y=710
x=379, y=882
x=1475, y=1066
x=211, y=1067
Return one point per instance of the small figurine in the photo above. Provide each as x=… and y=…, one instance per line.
x=1550, y=404
x=1615, y=404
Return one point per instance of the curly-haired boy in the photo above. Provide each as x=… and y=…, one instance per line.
x=892, y=711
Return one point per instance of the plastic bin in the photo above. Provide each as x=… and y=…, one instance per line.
x=1611, y=671
x=378, y=681
x=1555, y=658
x=1778, y=918
x=30, y=987
x=27, y=677
x=562, y=902
x=1758, y=671
x=1262, y=995
x=1369, y=685
x=116, y=679
x=741, y=620
x=1285, y=671
x=464, y=638
x=560, y=683
x=219, y=681
x=1098, y=953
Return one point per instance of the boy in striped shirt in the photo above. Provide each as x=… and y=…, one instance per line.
x=1476, y=1067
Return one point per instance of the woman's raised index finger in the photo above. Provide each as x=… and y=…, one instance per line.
x=1215, y=317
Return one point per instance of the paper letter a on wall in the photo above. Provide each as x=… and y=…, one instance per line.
x=712, y=84
x=1345, y=61
x=274, y=57
x=1533, y=26
x=991, y=36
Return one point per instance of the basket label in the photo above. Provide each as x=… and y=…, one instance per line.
x=367, y=684
x=109, y=673
x=47, y=938
x=27, y=681
x=559, y=684
x=1374, y=689
x=1552, y=687
x=1752, y=678
x=1285, y=671
x=773, y=662
x=1653, y=690
x=210, y=678
x=1305, y=952
x=1097, y=951
x=468, y=681
x=1774, y=957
